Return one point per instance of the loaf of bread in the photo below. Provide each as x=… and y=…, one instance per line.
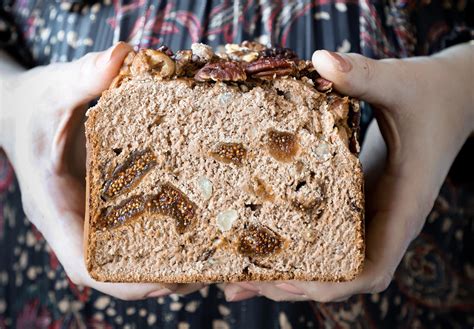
x=219, y=167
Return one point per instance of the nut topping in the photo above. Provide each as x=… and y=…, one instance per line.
x=323, y=85
x=204, y=53
x=221, y=71
x=278, y=52
x=258, y=241
x=270, y=67
x=129, y=173
x=247, y=51
x=153, y=61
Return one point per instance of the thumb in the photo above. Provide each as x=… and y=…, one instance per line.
x=85, y=79
x=361, y=77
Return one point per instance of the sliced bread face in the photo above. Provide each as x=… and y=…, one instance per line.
x=194, y=179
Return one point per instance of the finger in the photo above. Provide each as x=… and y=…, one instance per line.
x=355, y=75
x=131, y=291
x=86, y=78
x=235, y=293
x=80, y=82
x=273, y=291
x=188, y=288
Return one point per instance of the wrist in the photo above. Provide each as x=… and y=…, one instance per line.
x=457, y=62
x=9, y=70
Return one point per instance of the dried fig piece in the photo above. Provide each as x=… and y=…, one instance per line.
x=270, y=67
x=230, y=153
x=153, y=61
x=128, y=174
x=258, y=241
x=282, y=145
x=125, y=211
x=171, y=202
x=221, y=71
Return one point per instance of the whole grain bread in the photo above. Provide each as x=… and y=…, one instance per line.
x=205, y=167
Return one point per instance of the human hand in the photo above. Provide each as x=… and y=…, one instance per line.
x=424, y=110
x=42, y=114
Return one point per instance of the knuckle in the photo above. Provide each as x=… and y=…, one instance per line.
x=368, y=68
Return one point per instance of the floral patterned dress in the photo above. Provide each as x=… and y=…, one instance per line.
x=434, y=284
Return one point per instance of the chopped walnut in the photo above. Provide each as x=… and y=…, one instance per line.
x=246, y=52
x=153, y=61
x=203, y=52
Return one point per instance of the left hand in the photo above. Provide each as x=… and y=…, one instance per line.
x=425, y=114
x=42, y=132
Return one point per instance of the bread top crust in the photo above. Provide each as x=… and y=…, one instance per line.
x=249, y=62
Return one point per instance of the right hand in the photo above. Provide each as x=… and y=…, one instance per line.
x=42, y=113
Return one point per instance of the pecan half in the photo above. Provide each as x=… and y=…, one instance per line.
x=269, y=67
x=323, y=85
x=221, y=71
x=153, y=61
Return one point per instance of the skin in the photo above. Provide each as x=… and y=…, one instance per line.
x=424, y=111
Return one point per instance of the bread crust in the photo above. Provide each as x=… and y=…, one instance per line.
x=126, y=82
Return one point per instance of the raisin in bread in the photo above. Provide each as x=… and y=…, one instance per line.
x=223, y=167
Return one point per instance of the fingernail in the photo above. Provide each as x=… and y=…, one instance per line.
x=247, y=286
x=342, y=64
x=241, y=296
x=290, y=288
x=159, y=293
x=106, y=57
